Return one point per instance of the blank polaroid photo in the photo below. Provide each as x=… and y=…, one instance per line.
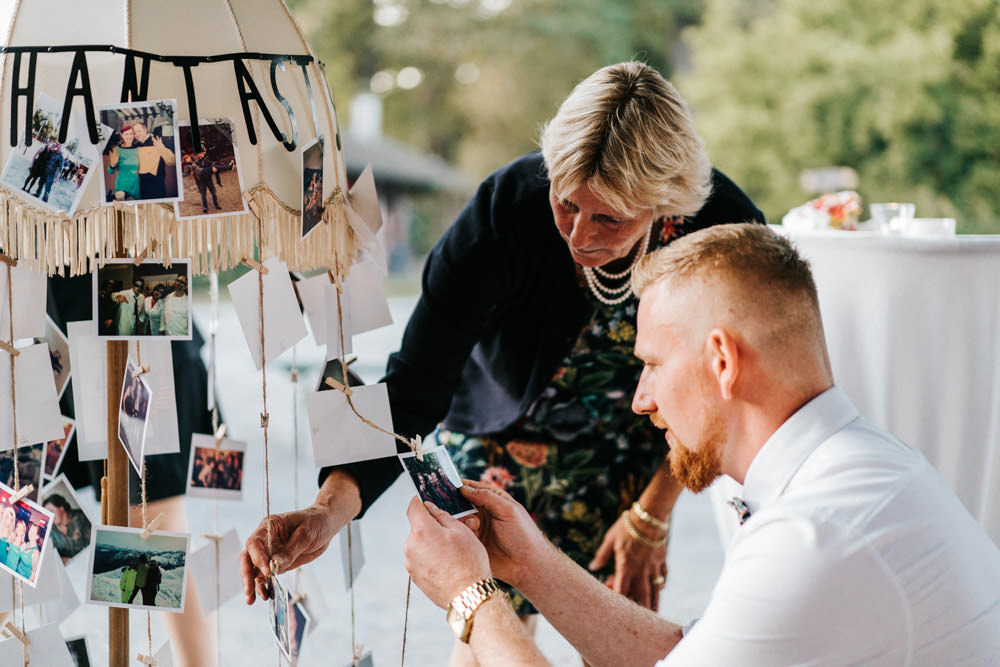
x=151, y=300
x=213, y=581
x=212, y=180
x=30, y=462
x=277, y=607
x=312, y=294
x=55, y=450
x=147, y=130
x=133, y=414
x=130, y=572
x=79, y=651
x=366, y=298
x=38, y=416
x=339, y=436
x=215, y=471
x=24, y=530
x=71, y=527
x=28, y=291
x=46, y=648
x=58, y=353
x=312, y=185
x=437, y=480
x=90, y=389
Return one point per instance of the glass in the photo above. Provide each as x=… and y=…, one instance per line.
x=890, y=218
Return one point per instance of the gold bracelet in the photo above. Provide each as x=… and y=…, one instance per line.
x=649, y=518
x=634, y=533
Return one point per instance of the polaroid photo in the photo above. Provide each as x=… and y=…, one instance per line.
x=53, y=589
x=38, y=417
x=213, y=182
x=162, y=432
x=437, y=480
x=141, y=162
x=133, y=414
x=298, y=624
x=312, y=185
x=47, y=173
x=26, y=300
x=30, y=462
x=215, y=471
x=130, y=572
x=215, y=583
x=79, y=651
x=277, y=607
x=55, y=450
x=71, y=527
x=58, y=353
x=151, y=300
x=24, y=529
x=46, y=648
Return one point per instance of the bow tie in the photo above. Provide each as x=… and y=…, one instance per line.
x=741, y=508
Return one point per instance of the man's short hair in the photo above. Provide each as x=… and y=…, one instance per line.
x=627, y=131
x=56, y=500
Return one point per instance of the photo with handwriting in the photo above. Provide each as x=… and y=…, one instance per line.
x=141, y=162
x=213, y=183
x=24, y=528
x=135, y=302
x=128, y=571
x=437, y=480
x=71, y=527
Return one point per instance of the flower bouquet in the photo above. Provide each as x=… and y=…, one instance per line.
x=839, y=210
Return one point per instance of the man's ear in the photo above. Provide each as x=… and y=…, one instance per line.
x=724, y=360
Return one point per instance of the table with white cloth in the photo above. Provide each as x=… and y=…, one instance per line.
x=913, y=330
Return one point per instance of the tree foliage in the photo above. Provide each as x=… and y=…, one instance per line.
x=906, y=93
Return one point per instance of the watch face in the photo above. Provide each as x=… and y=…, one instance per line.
x=457, y=621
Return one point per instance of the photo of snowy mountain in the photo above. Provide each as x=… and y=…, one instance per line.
x=127, y=571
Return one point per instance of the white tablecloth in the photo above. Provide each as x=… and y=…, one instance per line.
x=913, y=329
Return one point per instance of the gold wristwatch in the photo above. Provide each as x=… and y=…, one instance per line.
x=462, y=608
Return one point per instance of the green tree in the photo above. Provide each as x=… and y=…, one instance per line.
x=906, y=93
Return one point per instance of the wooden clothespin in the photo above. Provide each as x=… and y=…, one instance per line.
x=20, y=494
x=298, y=597
x=415, y=444
x=214, y=538
x=330, y=382
x=152, y=526
x=294, y=375
x=145, y=253
x=254, y=264
x=9, y=349
x=141, y=370
x=358, y=650
x=145, y=659
x=252, y=205
x=16, y=631
x=265, y=418
x=220, y=433
x=7, y=259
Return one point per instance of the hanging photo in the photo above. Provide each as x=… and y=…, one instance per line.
x=298, y=624
x=55, y=450
x=30, y=462
x=277, y=607
x=213, y=183
x=149, y=300
x=24, y=527
x=133, y=414
x=78, y=651
x=437, y=480
x=71, y=527
x=215, y=471
x=312, y=185
x=141, y=162
x=47, y=173
x=58, y=353
x=128, y=571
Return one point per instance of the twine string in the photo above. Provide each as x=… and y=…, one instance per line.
x=350, y=581
x=13, y=408
x=406, y=619
x=213, y=383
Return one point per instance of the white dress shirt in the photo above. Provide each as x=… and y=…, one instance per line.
x=856, y=552
x=175, y=315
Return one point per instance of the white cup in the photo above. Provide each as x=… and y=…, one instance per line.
x=889, y=218
x=929, y=227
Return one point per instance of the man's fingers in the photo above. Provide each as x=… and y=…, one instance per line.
x=247, y=574
x=256, y=549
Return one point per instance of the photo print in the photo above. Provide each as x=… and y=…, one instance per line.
x=47, y=173
x=128, y=571
x=133, y=414
x=312, y=185
x=298, y=624
x=71, y=527
x=215, y=471
x=24, y=528
x=58, y=353
x=78, y=651
x=149, y=300
x=30, y=462
x=277, y=607
x=437, y=480
x=55, y=450
x=212, y=181
x=141, y=162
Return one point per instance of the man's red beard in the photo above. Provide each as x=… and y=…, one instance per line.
x=696, y=469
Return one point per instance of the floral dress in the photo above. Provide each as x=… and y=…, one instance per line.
x=579, y=456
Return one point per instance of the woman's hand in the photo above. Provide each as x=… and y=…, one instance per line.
x=640, y=569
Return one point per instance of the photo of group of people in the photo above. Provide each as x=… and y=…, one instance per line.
x=210, y=173
x=215, y=471
x=51, y=174
x=437, y=480
x=151, y=299
x=128, y=571
x=71, y=527
x=133, y=414
x=30, y=462
x=24, y=528
x=141, y=160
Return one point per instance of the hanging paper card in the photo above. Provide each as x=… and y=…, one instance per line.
x=338, y=436
x=312, y=293
x=89, y=356
x=46, y=648
x=283, y=322
x=162, y=436
x=38, y=418
x=29, y=302
x=212, y=571
x=369, y=308
x=353, y=559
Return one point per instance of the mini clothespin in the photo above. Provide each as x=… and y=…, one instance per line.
x=330, y=382
x=294, y=375
x=265, y=418
x=252, y=205
x=145, y=252
x=145, y=659
x=7, y=259
x=214, y=538
x=298, y=597
x=220, y=433
x=358, y=650
x=9, y=349
x=152, y=526
x=254, y=264
x=19, y=495
x=16, y=631
x=141, y=370
x=274, y=566
x=415, y=444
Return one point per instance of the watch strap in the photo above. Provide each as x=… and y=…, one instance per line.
x=469, y=600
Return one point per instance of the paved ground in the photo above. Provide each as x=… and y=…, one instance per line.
x=380, y=594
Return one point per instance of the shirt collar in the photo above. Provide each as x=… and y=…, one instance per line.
x=788, y=447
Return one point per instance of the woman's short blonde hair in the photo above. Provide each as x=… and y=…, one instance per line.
x=627, y=132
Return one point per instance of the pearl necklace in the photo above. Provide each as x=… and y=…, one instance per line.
x=612, y=296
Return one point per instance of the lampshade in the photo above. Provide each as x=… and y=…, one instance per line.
x=244, y=60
